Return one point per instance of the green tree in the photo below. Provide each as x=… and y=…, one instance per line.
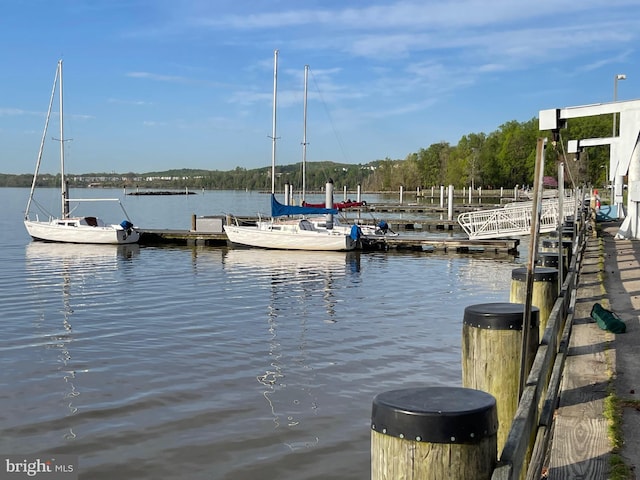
x=432, y=163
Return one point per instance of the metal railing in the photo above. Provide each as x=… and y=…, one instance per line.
x=514, y=219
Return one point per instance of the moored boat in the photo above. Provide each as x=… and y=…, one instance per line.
x=68, y=229
x=281, y=231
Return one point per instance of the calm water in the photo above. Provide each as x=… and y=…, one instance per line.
x=215, y=363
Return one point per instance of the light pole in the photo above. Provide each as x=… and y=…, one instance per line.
x=474, y=159
x=620, y=76
x=606, y=173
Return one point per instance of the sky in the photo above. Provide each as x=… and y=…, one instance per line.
x=152, y=85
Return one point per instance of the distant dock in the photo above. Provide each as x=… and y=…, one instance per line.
x=162, y=192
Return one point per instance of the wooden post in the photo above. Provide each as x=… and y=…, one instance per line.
x=491, y=352
x=568, y=232
x=549, y=245
x=545, y=291
x=551, y=260
x=328, y=202
x=568, y=245
x=193, y=222
x=433, y=433
x=547, y=259
x=553, y=244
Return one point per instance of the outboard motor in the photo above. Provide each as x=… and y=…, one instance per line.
x=126, y=224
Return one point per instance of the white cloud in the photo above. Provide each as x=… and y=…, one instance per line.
x=158, y=77
x=120, y=101
x=6, y=112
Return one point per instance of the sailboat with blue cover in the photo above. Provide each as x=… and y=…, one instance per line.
x=288, y=228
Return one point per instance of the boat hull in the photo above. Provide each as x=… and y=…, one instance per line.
x=52, y=231
x=288, y=240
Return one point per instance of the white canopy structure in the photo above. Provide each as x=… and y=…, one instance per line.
x=625, y=152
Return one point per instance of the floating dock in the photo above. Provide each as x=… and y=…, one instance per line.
x=446, y=245
x=400, y=242
x=161, y=192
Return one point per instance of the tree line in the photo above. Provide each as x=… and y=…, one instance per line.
x=503, y=158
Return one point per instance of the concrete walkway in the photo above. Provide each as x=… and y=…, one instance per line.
x=622, y=283
x=581, y=447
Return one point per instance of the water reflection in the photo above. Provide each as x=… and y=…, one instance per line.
x=300, y=285
x=68, y=266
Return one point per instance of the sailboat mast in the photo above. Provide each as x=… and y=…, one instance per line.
x=44, y=137
x=273, y=132
x=304, y=136
x=65, y=204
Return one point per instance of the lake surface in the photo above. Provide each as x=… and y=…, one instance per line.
x=217, y=363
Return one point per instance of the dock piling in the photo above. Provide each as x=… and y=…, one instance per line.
x=433, y=433
x=545, y=291
x=491, y=353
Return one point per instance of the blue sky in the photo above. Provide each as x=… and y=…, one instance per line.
x=157, y=84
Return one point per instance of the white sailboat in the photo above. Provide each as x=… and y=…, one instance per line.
x=286, y=233
x=320, y=222
x=68, y=229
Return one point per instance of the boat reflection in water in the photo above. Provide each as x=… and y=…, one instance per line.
x=299, y=285
x=52, y=256
x=76, y=270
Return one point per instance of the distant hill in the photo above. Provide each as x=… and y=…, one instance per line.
x=317, y=175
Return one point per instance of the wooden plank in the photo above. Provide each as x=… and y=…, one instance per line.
x=581, y=446
x=580, y=449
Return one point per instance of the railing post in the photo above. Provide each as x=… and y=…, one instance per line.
x=450, y=204
x=551, y=260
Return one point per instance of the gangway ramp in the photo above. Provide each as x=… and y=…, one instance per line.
x=514, y=219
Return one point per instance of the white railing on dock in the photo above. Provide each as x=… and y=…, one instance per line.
x=514, y=219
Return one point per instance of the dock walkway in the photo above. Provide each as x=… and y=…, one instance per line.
x=401, y=242
x=600, y=363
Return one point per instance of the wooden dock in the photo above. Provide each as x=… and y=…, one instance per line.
x=181, y=237
x=400, y=242
x=445, y=245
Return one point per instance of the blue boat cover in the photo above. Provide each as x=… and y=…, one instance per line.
x=280, y=210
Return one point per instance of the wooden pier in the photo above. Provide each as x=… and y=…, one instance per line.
x=400, y=242
x=445, y=245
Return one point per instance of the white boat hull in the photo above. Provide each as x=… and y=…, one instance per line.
x=79, y=229
x=289, y=238
x=56, y=231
